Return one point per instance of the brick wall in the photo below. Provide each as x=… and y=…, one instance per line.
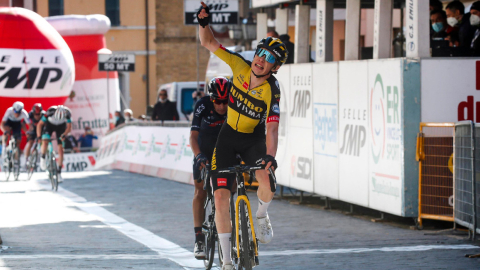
x=176, y=45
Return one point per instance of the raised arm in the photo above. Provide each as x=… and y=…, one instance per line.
x=206, y=35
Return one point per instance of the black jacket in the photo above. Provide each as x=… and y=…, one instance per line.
x=120, y=121
x=465, y=34
x=475, y=48
x=165, y=111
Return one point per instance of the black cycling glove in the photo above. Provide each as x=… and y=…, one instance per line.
x=267, y=159
x=199, y=159
x=203, y=22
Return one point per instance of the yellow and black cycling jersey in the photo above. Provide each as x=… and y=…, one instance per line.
x=249, y=109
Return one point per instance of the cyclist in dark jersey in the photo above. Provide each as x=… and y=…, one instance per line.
x=35, y=115
x=251, y=129
x=209, y=114
x=57, y=119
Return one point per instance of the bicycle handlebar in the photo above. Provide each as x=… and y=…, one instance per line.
x=245, y=168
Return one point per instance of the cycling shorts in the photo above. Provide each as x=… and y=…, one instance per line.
x=32, y=135
x=49, y=128
x=250, y=147
x=16, y=127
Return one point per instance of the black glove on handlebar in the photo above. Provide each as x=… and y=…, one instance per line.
x=267, y=159
x=203, y=22
x=199, y=159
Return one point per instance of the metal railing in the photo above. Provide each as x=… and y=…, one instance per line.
x=465, y=163
x=435, y=182
x=154, y=124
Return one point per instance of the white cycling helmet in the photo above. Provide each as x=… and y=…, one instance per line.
x=60, y=113
x=17, y=107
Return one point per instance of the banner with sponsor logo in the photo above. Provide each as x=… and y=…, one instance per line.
x=325, y=129
x=142, y=148
x=450, y=90
x=385, y=136
x=266, y=3
x=300, y=131
x=221, y=11
x=79, y=162
x=283, y=155
x=353, y=126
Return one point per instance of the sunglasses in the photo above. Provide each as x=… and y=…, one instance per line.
x=220, y=101
x=268, y=55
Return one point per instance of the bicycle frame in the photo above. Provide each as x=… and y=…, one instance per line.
x=242, y=196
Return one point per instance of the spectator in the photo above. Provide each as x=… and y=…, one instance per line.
x=128, y=116
x=457, y=18
x=272, y=33
x=436, y=5
x=119, y=119
x=475, y=22
x=290, y=47
x=86, y=140
x=439, y=24
x=71, y=144
x=164, y=109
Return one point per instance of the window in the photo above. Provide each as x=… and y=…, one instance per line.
x=112, y=10
x=55, y=7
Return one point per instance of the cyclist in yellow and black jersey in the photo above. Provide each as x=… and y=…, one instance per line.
x=251, y=129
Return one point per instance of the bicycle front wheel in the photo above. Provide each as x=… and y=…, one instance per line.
x=210, y=235
x=16, y=163
x=7, y=166
x=54, y=174
x=247, y=258
x=32, y=164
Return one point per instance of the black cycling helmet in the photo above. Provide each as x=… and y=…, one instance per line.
x=276, y=46
x=37, y=108
x=219, y=87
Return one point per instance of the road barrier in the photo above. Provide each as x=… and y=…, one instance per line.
x=464, y=152
x=435, y=181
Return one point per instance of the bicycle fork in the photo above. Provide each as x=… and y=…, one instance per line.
x=237, y=210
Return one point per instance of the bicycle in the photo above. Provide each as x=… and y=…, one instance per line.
x=52, y=169
x=12, y=158
x=32, y=160
x=209, y=228
x=244, y=242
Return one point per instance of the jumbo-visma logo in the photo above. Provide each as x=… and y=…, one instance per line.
x=377, y=119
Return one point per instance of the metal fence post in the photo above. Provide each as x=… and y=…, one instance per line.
x=473, y=183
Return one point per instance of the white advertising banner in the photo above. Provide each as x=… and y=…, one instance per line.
x=353, y=124
x=88, y=103
x=148, y=147
x=325, y=129
x=450, y=90
x=161, y=147
x=385, y=135
x=300, y=127
x=266, y=3
x=283, y=156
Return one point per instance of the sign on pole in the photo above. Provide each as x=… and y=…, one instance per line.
x=221, y=11
x=116, y=62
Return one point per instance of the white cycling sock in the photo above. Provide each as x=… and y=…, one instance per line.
x=262, y=208
x=224, y=239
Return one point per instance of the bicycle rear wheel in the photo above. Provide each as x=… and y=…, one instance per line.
x=210, y=234
x=32, y=163
x=53, y=172
x=16, y=163
x=247, y=258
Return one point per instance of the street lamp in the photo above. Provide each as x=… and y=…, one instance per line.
x=102, y=53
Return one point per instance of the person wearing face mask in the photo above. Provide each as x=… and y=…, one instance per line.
x=119, y=119
x=457, y=18
x=438, y=43
x=164, y=109
x=475, y=22
x=128, y=116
